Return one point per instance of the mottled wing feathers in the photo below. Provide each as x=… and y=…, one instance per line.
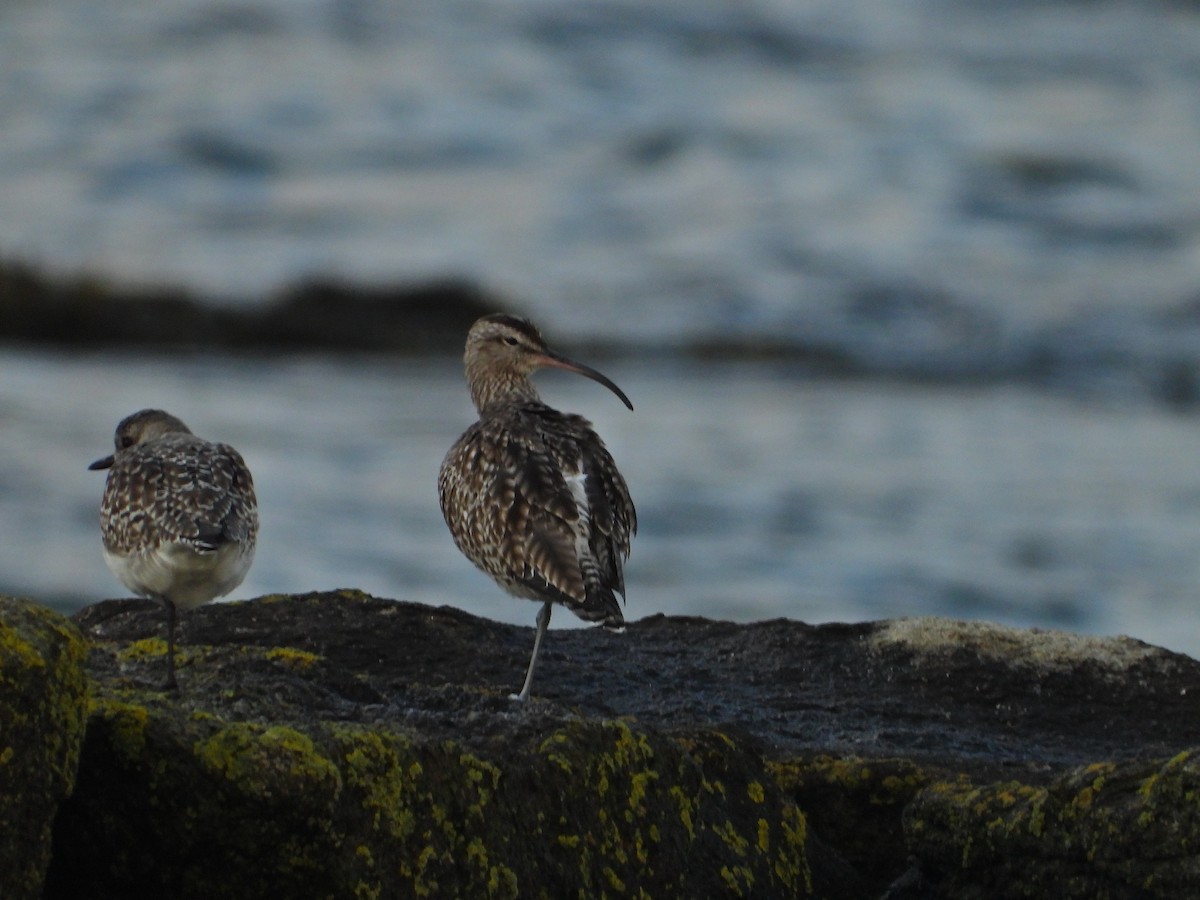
x=613, y=517
x=512, y=495
x=178, y=489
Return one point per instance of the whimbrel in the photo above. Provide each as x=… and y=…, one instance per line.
x=179, y=517
x=531, y=495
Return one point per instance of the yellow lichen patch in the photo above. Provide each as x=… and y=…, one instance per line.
x=620, y=775
x=642, y=792
x=16, y=652
x=549, y=749
x=738, y=879
x=266, y=599
x=728, y=832
x=1175, y=762
x=269, y=761
x=43, y=709
x=755, y=791
x=293, y=657
x=791, y=862
x=483, y=777
x=477, y=853
x=427, y=810
x=685, y=809
x=764, y=836
x=1086, y=795
x=614, y=882
x=145, y=648
x=371, y=762
x=125, y=723
x=1082, y=801
x=1118, y=827
x=1037, y=815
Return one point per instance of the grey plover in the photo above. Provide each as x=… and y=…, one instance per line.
x=179, y=517
x=531, y=495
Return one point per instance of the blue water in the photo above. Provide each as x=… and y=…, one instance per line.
x=999, y=193
x=941, y=183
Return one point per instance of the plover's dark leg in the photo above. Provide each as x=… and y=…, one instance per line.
x=170, y=684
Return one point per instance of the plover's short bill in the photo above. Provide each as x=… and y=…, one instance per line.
x=179, y=517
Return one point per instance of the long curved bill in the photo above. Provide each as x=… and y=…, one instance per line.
x=561, y=362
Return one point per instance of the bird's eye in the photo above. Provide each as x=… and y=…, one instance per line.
x=511, y=341
x=126, y=441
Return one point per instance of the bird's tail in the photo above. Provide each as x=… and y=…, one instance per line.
x=601, y=607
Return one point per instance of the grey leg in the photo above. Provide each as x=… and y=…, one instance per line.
x=543, y=622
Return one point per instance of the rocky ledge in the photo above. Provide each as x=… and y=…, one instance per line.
x=320, y=314
x=339, y=745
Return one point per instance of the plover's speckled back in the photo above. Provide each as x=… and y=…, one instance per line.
x=179, y=517
x=531, y=495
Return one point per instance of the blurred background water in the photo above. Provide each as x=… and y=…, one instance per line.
x=991, y=210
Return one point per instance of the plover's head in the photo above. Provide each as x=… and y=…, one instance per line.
x=144, y=425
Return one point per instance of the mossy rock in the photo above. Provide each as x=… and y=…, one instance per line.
x=1106, y=831
x=43, y=702
x=335, y=744
x=174, y=801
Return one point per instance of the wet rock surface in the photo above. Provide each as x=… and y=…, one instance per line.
x=337, y=744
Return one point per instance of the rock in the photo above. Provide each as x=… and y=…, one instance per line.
x=339, y=745
x=320, y=749
x=43, y=710
x=324, y=315
x=1113, y=830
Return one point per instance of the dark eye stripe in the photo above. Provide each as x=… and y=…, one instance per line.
x=522, y=326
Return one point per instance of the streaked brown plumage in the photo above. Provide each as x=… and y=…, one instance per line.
x=531, y=495
x=179, y=516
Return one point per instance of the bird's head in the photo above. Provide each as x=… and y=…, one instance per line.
x=144, y=425
x=503, y=351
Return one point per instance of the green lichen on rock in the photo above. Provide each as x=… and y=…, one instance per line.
x=1107, y=830
x=173, y=801
x=634, y=806
x=339, y=745
x=146, y=648
x=598, y=809
x=293, y=658
x=269, y=762
x=183, y=803
x=43, y=703
x=420, y=818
